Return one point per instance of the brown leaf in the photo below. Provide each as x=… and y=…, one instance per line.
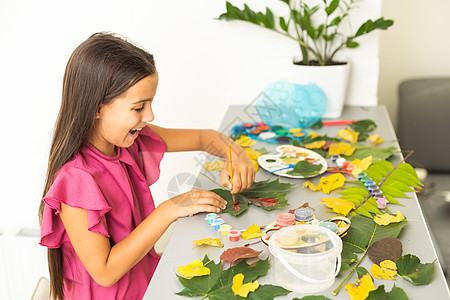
x=338, y=170
x=266, y=202
x=327, y=145
x=388, y=248
x=238, y=253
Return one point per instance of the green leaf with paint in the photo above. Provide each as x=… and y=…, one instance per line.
x=218, y=284
x=268, y=194
x=305, y=169
x=410, y=268
x=380, y=294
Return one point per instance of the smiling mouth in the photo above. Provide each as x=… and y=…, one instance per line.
x=135, y=131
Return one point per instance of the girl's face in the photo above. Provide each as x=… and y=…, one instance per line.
x=118, y=123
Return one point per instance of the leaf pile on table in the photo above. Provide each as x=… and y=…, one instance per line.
x=233, y=283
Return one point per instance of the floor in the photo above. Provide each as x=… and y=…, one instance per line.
x=435, y=203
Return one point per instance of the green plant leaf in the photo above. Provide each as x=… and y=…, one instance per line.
x=218, y=284
x=355, y=191
x=410, y=268
x=362, y=152
x=380, y=294
x=335, y=22
x=364, y=232
x=361, y=271
x=332, y=7
x=352, y=44
x=305, y=169
x=283, y=24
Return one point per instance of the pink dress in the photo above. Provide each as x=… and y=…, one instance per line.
x=115, y=192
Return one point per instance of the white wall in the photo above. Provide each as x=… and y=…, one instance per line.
x=418, y=45
x=204, y=65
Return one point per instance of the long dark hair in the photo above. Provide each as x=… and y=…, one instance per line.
x=100, y=69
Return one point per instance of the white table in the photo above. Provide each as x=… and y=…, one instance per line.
x=180, y=249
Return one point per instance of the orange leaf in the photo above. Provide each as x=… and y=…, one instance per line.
x=238, y=253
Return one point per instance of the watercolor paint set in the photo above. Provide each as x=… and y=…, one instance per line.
x=267, y=133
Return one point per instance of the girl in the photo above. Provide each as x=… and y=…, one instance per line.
x=97, y=215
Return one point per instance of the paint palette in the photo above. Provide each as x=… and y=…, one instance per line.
x=271, y=134
x=283, y=162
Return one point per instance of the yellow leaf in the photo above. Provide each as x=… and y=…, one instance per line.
x=313, y=134
x=375, y=138
x=364, y=163
x=348, y=135
x=245, y=141
x=243, y=289
x=315, y=145
x=252, y=154
x=332, y=182
x=338, y=205
x=252, y=232
x=312, y=186
x=361, y=289
x=341, y=148
x=386, y=270
x=211, y=242
x=327, y=184
x=214, y=166
x=386, y=219
x=193, y=269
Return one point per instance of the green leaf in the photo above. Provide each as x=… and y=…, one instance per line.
x=380, y=294
x=383, y=24
x=362, y=152
x=364, y=125
x=410, y=268
x=305, y=169
x=348, y=256
x=361, y=271
x=363, y=211
x=355, y=191
x=218, y=284
x=335, y=22
x=283, y=24
x=364, y=231
x=270, y=18
x=332, y=7
x=352, y=44
x=392, y=191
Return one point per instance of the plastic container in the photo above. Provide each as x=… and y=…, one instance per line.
x=216, y=223
x=224, y=229
x=307, y=258
x=285, y=219
x=234, y=235
x=210, y=217
x=304, y=214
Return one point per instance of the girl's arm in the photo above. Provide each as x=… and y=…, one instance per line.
x=216, y=144
x=107, y=264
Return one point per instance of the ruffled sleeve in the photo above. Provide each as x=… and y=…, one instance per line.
x=151, y=151
x=77, y=188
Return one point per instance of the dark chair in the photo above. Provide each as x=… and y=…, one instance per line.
x=423, y=125
x=424, y=122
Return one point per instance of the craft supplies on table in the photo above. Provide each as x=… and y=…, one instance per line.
x=269, y=133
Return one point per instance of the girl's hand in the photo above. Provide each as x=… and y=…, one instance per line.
x=243, y=172
x=196, y=201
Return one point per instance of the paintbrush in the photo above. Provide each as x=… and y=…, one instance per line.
x=231, y=174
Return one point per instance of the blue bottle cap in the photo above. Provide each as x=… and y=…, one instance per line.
x=330, y=225
x=303, y=214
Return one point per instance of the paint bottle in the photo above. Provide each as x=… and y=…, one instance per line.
x=330, y=225
x=210, y=217
x=216, y=223
x=304, y=214
x=233, y=235
x=285, y=219
x=224, y=229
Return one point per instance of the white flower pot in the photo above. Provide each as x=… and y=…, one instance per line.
x=331, y=79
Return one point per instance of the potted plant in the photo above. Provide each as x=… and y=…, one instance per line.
x=319, y=34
